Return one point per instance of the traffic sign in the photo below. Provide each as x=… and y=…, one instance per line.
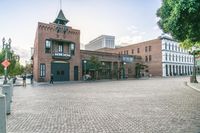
x=5, y=63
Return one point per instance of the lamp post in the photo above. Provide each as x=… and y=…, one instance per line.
x=124, y=71
x=193, y=78
x=85, y=66
x=6, y=48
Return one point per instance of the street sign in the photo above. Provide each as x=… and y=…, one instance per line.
x=5, y=63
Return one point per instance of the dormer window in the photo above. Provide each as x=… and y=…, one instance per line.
x=47, y=46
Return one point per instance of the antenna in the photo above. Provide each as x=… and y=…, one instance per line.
x=60, y=4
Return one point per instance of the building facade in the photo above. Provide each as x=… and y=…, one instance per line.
x=103, y=41
x=175, y=60
x=56, y=51
x=112, y=66
x=163, y=56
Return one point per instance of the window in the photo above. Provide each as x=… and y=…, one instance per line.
x=42, y=70
x=60, y=48
x=150, y=58
x=169, y=57
x=146, y=49
x=149, y=48
x=165, y=46
x=72, y=48
x=132, y=51
x=47, y=46
x=146, y=58
x=138, y=50
x=166, y=56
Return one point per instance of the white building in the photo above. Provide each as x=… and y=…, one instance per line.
x=103, y=41
x=175, y=60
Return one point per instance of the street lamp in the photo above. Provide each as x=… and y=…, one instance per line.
x=6, y=48
x=85, y=66
x=124, y=64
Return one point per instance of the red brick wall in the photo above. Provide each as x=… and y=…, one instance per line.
x=155, y=65
x=48, y=31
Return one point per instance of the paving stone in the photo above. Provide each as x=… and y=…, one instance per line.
x=155, y=105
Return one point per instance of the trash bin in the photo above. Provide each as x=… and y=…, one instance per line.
x=2, y=114
x=6, y=90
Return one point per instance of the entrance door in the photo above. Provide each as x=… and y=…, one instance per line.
x=60, y=71
x=75, y=73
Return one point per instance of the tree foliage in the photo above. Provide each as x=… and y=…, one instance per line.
x=94, y=63
x=14, y=68
x=181, y=18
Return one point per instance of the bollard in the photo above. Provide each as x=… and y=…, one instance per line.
x=6, y=90
x=2, y=114
x=10, y=82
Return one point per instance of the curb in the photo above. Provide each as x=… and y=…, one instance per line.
x=193, y=87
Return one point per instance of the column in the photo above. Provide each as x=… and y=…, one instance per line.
x=163, y=70
x=168, y=70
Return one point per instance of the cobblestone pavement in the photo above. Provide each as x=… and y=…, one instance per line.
x=133, y=106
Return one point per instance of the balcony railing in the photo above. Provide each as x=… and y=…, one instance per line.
x=61, y=55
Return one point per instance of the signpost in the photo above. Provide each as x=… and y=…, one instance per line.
x=6, y=63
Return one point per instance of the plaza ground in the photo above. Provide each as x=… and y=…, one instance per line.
x=154, y=105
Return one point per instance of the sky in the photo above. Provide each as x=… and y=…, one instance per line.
x=130, y=21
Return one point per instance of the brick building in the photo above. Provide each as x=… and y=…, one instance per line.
x=56, y=51
x=163, y=56
x=113, y=66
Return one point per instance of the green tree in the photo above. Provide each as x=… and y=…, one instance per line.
x=94, y=65
x=14, y=68
x=181, y=18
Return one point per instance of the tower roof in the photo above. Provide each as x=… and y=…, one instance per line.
x=61, y=18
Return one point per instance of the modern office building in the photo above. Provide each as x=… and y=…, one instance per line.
x=103, y=41
x=163, y=56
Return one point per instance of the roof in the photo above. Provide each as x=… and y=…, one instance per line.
x=61, y=18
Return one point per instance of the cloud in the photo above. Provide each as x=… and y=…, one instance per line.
x=127, y=40
x=133, y=35
x=23, y=52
